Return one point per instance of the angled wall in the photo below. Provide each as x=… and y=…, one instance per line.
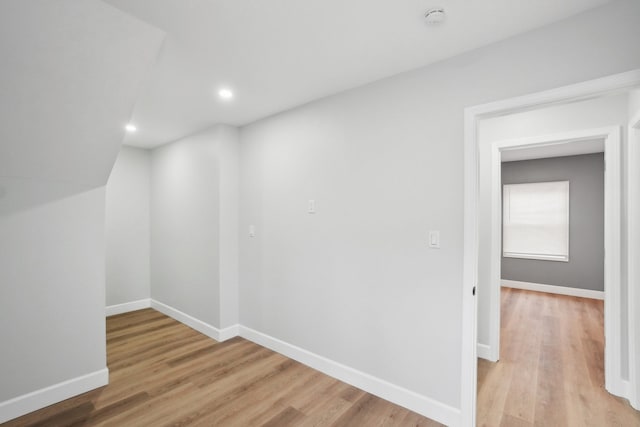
x=67, y=86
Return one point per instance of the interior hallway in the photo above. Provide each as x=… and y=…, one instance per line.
x=551, y=368
x=163, y=373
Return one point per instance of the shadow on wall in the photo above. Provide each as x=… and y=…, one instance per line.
x=22, y=194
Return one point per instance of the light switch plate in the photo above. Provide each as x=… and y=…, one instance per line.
x=434, y=239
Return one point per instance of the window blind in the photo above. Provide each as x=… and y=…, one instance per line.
x=536, y=221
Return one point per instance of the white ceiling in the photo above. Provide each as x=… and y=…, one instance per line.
x=277, y=54
x=558, y=150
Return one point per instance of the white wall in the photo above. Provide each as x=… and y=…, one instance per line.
x=228, y=139
x=595, y=113
x=68, y=87
x=52, y=276
x=194, y=225
x=634, y=102
x=127, y=227
x=356, y=282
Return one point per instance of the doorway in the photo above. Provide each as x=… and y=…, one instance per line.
x=552, y=345
x=610, y=138
x=595, y=88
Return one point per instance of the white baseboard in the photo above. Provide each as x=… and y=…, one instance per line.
x=39, y=399
x=198, y=325
x=229, y=332
x=625, y=386
x=634, y=399
x=484, y=352
x=552, y=289
x=621, y=388
x=418, y=403
x=112, y=310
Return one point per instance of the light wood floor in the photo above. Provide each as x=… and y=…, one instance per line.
x=551, y=368
x=164, y=373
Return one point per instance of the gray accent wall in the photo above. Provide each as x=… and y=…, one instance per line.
x=585, y=269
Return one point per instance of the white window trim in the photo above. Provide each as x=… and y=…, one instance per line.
x=540, y=257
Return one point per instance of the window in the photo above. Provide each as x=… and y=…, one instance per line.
x=535, y=221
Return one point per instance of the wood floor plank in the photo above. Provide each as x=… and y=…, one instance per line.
x=260, y=401
x=360, y=412
x=288, y=417
x=511, y=421
x=326, y=412
x=493, y=393
x=319, y=385
x=71, y=416
x=163, y=373
x=551, y=368
x=415, y=420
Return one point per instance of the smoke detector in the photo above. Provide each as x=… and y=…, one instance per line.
x=435, y=16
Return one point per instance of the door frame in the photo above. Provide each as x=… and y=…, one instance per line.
x=612, y=137
x=576, y=92
x=633, y=252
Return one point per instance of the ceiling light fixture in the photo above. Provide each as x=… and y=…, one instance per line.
x=435, y=16
x=225, y=93
x=130, y=128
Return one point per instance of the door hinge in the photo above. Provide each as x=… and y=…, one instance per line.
x=474, y=291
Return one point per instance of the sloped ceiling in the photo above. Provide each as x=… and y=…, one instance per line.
x=70, y=76
x=277, y=54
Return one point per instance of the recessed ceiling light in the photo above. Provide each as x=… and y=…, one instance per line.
x=131, y=128
x=225, y=93
x=435, y=16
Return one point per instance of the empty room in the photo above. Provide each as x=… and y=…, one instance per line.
x=305, y=213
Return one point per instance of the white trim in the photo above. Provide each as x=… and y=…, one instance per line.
x=570, y=93
x=633, y=253
x=613, y=263
x=229, y=332
x=495, y=310
x=469, y=363
x=484, y=352
x=112, y=310
x=193, y=323
x=553, y=289
x=22, y=405
x=416, y=402
x=625, y=387
x=539, y=257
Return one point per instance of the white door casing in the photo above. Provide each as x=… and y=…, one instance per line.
x=576, y=92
